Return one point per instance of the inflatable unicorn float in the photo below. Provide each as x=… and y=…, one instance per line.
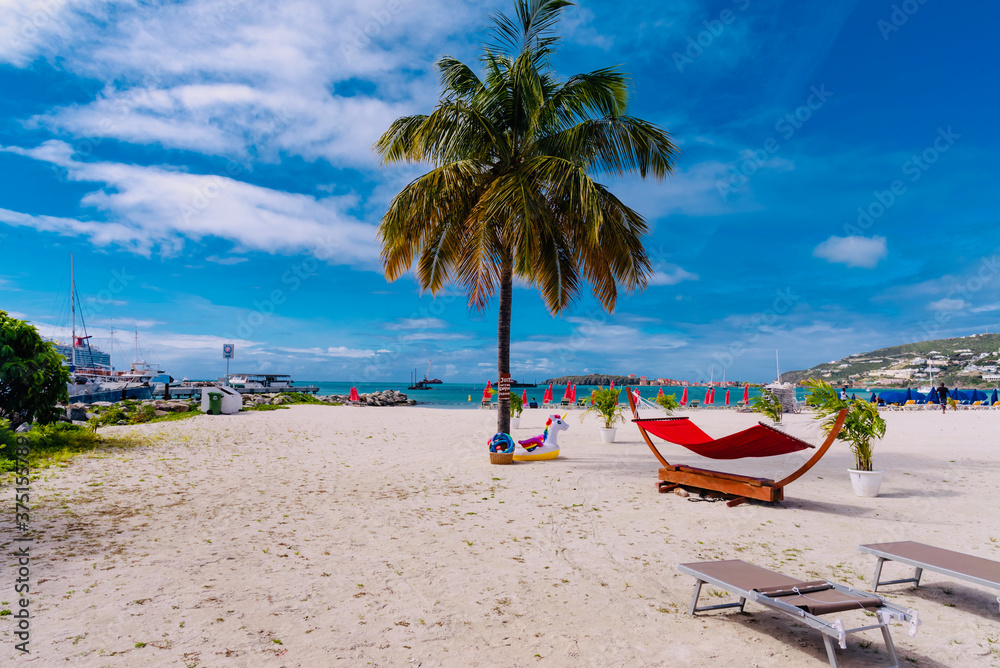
x=544, y=446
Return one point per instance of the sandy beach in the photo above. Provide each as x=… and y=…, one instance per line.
x=338, y=536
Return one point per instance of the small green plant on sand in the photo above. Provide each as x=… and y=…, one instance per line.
x=862, y=426
x=266, y=407
x=605, y=402
x=767, y=404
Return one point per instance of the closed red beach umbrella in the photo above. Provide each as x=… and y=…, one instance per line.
x=354, y=394
x=727, y=397
x=524, y=398
x=486, y=393
x=660, y=393
x=708, y=396
x=684, y=396
x=746, y=394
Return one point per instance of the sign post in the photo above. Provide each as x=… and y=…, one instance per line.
x=503, y=387
x=228, y=351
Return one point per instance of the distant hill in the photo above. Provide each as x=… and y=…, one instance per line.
x=960, y=361
x=592, y=379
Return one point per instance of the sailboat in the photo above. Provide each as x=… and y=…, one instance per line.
x=94, y=381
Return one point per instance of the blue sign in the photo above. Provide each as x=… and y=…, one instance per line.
x=227, y=351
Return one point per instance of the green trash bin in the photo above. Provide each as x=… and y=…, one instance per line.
x=215, y=403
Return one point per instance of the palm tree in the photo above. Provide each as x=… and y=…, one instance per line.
x=510, y=194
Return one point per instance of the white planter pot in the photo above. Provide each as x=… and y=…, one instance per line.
x=515, y=422
x=608, y=435
x=866, y=483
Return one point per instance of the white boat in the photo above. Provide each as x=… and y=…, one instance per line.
x=251, y=381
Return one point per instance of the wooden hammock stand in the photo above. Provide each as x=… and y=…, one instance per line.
x=737, y=488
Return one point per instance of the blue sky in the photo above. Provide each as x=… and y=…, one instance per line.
x=208, y=163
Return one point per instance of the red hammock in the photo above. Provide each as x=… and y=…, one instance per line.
x=758, y=441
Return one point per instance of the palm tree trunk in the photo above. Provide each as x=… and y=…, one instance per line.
x=503, y=340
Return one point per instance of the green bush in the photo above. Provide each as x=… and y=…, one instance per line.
x=266, y=407
x=52, y=443
x=668, y=402
x=32, y=376
x=302, y=398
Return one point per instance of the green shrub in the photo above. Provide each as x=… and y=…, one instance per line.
x=141, y=414
x=52, y=443
x=32, y=376
x=301, y=398
x=266, y=407
x=668, y=402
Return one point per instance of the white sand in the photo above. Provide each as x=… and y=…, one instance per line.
x=384, y=537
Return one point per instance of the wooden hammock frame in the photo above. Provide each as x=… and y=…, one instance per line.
x=737, y=488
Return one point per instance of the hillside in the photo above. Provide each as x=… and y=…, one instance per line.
x=591, y=379
x=961, y=361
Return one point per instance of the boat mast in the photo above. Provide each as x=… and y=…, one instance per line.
x=111, y=358
x=777, y=366
x=72, y=299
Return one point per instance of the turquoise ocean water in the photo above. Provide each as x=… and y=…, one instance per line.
x=459, y=395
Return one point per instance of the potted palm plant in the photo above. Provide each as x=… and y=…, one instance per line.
x=516, y=406
x=668, y=402
x=604, y=402
x=862, y=427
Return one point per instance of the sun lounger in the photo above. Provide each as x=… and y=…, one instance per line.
x=803, y=601
x=938, y=560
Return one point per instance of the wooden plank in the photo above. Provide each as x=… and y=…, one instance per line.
x=757, y=482
x=714, y=483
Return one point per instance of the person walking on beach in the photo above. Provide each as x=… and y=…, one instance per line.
x=942, y=391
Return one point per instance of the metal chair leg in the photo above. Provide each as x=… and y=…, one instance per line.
x=830, y=652
x=878, y=572
x=889, y=646
x=697, y=593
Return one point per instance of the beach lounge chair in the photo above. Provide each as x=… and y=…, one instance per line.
x=938, y=560
x=805, y=602
x=759, y=441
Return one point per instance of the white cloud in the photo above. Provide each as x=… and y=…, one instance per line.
x=947, y=304
x=671, y=274
x=337, y=351
x=417, y=323
x=158, y=208
x=214, y=77
x=853, y=251
x=226, y=260
x=986, y=308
